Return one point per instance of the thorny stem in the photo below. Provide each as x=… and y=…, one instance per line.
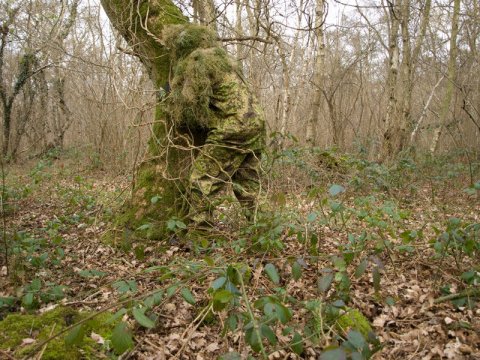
x=252, y=316
x=389, y=251
x=466, y=293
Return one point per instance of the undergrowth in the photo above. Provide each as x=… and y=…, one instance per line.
x=330, y=223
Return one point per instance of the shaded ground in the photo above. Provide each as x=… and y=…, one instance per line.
x=376, y=244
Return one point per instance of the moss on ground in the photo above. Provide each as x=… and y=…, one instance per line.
x=17, y=327
x=354, y=319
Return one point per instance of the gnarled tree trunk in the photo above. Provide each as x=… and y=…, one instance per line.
x=158, y=193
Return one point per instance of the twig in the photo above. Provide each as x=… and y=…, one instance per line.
x=45, y=346
x=7, y=355
x=252, y=316
x=465, y=293
x=246, y=38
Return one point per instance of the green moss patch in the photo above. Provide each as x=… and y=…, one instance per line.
x=353, y=319
x=17, y=327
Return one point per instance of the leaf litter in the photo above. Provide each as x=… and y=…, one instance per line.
x=413, y=326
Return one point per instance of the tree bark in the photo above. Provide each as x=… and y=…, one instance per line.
x=158, y=190
x=205, y=13
x=451, y=73
x=311, y=128
x=391, y=134
x=401, y=75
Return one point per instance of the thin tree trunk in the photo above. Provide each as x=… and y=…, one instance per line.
x=205, y=12
x=312, y=124
x=7, y=121
x=413, y=135
x=239, y=32
x=407, y=108
x=451, y=74
x=390, y=119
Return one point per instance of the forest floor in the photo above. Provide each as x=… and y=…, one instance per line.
x=404, y=252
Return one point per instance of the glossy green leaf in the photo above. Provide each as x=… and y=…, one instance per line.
x=28, y=299
x=339, y=304
x=172, y=290
x=223, y=296
x=75, y=336
x=252, y=339
x=339, y=263
x=282, y=313
x=232, y=322
x=390, y=301
x=296, y=270
x=117, y=315
x=272, y=273
x=142, y=319
x=336, y=189
x=312, y=217
x=121, y=338
x=356, y=339
x=268, y=333
x=180, y=224
x=188, y=296
x=154, y=299
x=360, y=270
x=218, y=283
x=334, y=354
x=132, y=284
x=209, y=261
x=121, y=286
x=325, y=282
x=297, y=344
x=35, y=285
x=155, y=199
x=171, y=224
x=7, y=300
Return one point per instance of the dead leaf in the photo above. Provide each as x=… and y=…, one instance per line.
x=448, y=320
x=97, y=338
x=28, y=341
x=380, y=320
x=212, y=347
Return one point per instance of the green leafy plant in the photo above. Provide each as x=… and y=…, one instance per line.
x=459, y=240
x=37, y=293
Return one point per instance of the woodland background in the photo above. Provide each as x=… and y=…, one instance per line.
x=367, y=241
x=370, y=77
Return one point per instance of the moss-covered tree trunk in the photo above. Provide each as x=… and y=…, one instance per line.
x=158, y=191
